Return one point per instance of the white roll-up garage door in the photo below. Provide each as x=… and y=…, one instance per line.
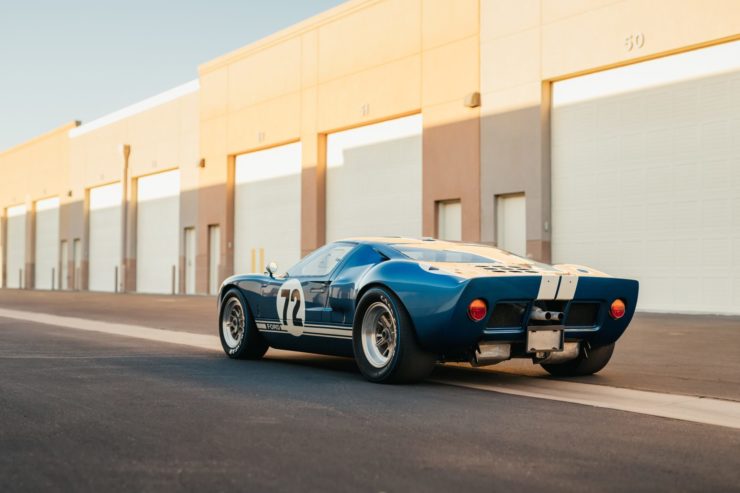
x=646, y=177
x=105, y=236
x=373, y=180
x=47, y=244
x=157, y=227
x=267, y=208
x=15, y=246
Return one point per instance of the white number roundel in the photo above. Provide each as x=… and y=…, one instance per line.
x=291, y=307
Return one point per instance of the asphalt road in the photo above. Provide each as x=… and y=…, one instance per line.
x=680, y=354
x=87, y=411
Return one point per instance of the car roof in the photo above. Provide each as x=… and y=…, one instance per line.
x=390, y=240
x=496, y=254
x=430, y=243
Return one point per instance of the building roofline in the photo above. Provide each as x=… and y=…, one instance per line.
x=136, y=108
x=292, y=31
x=51, y=133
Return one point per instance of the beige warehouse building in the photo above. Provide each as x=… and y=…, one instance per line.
x=600, y=132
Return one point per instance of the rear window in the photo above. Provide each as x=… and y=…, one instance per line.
x=430, y=255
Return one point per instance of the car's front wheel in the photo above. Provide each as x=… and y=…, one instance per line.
x=588, y=362
x=239, y=335
x=384, y=341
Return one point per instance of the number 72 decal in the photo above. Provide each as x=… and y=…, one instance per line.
x=291, y=307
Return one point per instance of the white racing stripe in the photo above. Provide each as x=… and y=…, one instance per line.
x=687, y=408
x=567, y=288
x=548, y=287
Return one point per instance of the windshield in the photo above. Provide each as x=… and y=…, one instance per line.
x=322, y=261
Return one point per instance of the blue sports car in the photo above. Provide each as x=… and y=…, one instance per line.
x=400, y=305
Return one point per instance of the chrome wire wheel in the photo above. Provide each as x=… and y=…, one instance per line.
x=232, y=323
x=379, y=334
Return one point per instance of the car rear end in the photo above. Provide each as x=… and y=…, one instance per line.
x=507, y=316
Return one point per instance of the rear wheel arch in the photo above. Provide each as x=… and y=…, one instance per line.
x=380, y=285
x=373, y=285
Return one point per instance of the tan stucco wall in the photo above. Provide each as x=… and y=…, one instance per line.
x=159, y=138
x=529, y=43
x=367, y=61
x=32, y=171
x=162, y=137
x=392, y=57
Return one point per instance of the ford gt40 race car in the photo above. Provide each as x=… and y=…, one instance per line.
x=400, y=305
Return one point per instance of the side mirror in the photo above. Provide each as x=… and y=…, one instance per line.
x=272, y=268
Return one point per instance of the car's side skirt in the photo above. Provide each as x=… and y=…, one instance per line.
x=315, y=330
x=312, y=338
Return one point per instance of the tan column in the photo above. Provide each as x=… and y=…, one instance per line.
x=129, y=259
x=4, y=248
x=30, y=243
x=313, y=193
x=125, y=150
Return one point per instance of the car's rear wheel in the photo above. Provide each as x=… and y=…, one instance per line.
x=240, y=338
x=384, y=341
x=588, y=362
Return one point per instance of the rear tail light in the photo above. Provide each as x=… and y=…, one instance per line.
x=477, y=310
x=616, y=311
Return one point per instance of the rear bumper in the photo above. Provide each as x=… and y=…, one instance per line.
x=458, y=334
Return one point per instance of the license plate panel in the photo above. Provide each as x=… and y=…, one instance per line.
x=549, y=338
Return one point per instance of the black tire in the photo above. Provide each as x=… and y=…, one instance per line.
x=407, y=362
x=251, y=344
x=590, y=361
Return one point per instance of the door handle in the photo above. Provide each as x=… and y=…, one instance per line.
x=318, y=290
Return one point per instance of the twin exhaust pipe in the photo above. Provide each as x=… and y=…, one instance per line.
x=540, y=314
x=490, y=352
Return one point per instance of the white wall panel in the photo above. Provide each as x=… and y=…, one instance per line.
x=646, y=177
x=190, y=244
x=64, y=265
x=449, y=220
x=16, y=246
x=373, y=180
x=214, y=255
x=267, y=208
x=511, y=223
x=47, y=244
x=157, y=227
x=105, y=236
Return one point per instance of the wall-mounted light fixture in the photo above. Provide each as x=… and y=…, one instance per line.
x=472, y=100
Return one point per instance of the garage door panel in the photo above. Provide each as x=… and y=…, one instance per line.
x=105, y=236
x=267, y=208
x=47, y=244
x=158, y=226
x=373, y=184
x=16, y=246
x=666, y=194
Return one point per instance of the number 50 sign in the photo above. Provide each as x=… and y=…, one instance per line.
x=634, y=41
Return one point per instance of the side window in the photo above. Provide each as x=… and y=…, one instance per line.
x=322, y=262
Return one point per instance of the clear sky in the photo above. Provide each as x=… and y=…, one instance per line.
x=64, y=60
